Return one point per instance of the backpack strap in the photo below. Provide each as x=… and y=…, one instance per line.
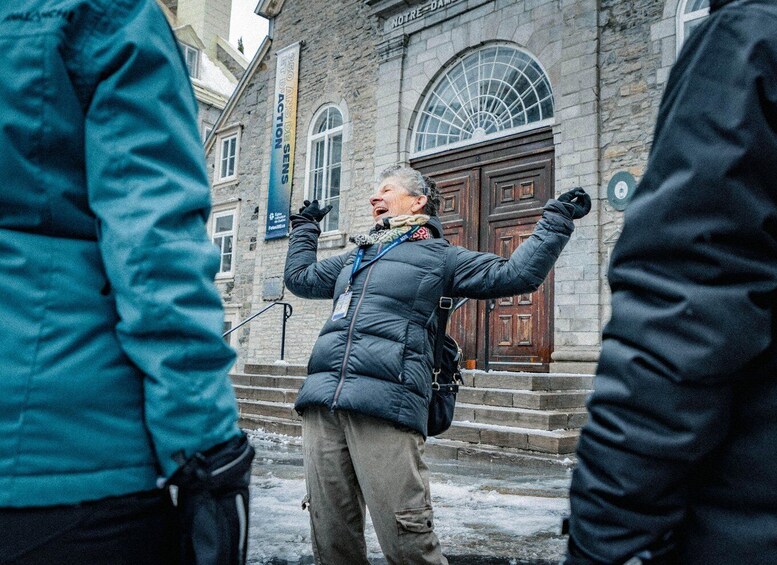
x=445, y=307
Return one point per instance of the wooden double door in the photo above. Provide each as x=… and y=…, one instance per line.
x=491, y=199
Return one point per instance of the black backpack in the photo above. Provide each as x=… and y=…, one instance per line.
x=446, y=374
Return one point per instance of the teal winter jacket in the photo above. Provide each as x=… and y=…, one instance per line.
x=111, y=360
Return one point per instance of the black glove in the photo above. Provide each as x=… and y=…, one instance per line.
x=310, y=212
x=577, y=202
x=212, y=501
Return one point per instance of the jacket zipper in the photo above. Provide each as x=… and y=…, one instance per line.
x=350, y=334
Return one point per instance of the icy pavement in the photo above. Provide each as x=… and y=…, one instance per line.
x=484, y=514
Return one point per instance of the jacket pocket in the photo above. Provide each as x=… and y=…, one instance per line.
x=415, y=521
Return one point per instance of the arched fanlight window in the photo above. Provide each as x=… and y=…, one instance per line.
x=486, y=93
x=325, y=163
x=690, y=14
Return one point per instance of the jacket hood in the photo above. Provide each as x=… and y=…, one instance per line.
x=435, y=226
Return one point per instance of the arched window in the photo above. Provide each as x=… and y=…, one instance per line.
x=325, y=150
x=486, y=93
x=690, y=14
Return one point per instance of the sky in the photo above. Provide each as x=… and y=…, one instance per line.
x=247, y=25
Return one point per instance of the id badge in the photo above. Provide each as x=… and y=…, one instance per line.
x=341, y=308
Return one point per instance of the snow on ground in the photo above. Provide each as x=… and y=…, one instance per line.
x=480, y=510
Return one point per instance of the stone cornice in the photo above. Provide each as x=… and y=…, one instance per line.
x=392, y=48
x=383, y=8
x=269, y=8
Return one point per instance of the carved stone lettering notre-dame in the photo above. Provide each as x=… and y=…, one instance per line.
x=420, y=12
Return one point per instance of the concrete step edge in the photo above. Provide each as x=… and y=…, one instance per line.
x=275, y=370
x=527, y=391
x=517, y=410
x=266, y=376
x=265, y=403
x=478, y=372
x=254, y=387
x=441, y=448
x=272, y=419
x=560, y=433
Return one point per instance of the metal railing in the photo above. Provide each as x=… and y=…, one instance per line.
x=490, y=305
x=287, y=310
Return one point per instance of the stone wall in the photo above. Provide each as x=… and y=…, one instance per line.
x=245, y=192
x=337, y=66
x=637, y=51
x=607, y=62
x=563, y=37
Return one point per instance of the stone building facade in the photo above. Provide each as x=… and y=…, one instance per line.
x=504, y=102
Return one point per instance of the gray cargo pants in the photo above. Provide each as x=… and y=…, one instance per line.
x=352, y=460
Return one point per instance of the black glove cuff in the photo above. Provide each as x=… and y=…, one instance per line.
x=302, y=219
x=226, y=465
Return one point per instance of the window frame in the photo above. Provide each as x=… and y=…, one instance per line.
x=187, y=50
x=230, y=209
x=441, y=78
x=207, y=128
x=327, y=135
x=224, y=135
x=683, y=19
x=231, y=317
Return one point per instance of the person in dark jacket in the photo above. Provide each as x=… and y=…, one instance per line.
x=113, y=372
x=364, y=404
x=677, y=464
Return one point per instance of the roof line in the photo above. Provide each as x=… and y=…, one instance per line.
x=261, y=52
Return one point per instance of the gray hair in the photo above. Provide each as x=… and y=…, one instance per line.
x=416, y=184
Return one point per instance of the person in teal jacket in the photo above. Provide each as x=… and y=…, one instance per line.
x=113, y=373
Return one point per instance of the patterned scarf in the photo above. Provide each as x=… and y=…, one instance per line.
x=391, y=228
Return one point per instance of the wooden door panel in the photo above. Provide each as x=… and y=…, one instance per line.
x=458, y=194
x=518, y=188
x=520, y=325
x=491, y=198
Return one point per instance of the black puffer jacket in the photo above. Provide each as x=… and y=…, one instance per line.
x=680, y=445
x=377, y=360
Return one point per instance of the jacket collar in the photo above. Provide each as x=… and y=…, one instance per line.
x=435, y=226
x=717, y=4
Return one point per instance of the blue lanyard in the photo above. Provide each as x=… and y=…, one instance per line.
x=357, y=262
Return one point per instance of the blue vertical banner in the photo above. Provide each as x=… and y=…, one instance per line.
x=284, y=128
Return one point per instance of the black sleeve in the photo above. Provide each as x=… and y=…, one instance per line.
x=694, y=282
x=485, y=275
x=304, y=274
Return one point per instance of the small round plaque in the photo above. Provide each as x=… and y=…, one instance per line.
x=620, y=189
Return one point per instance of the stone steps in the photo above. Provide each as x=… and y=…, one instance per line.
x=520, y=417
x=279, y=369
x=528, y=381
x=498, y=414
x=266, y=393
x=270, y=424
x=537, y=400
x=543, y=441
x=265, y=409
x=273, y=381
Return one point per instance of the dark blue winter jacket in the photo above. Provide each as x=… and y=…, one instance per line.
x=377, y=360
x=680, y=447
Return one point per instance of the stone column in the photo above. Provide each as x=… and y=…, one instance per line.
x=391, y=53
x=577, y=331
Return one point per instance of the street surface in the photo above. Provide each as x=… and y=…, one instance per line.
x=485, y=514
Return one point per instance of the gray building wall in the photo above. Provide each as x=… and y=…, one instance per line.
x=607, y=62
x=338, y=65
